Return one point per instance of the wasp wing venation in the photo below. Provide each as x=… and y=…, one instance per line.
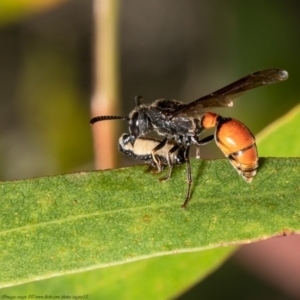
x=224, y=96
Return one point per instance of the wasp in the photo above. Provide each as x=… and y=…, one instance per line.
x=182, y=125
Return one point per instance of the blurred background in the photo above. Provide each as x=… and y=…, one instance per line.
x=165, y=49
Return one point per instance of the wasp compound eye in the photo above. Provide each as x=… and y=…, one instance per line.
x=134, y=125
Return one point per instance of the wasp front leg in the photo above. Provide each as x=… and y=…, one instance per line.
x=170, y=161
x=155, y=157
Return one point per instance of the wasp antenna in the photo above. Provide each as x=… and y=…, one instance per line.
x=104, y=118
x=138, y=100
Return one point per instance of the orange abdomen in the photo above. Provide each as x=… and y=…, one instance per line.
x=236, y=141
x=233, y=136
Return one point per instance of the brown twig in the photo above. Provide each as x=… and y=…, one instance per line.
x=105, y=96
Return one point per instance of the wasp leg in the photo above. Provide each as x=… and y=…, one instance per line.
x=189, y=176
x=155, y=157
x=202, y=142
x=170, y=163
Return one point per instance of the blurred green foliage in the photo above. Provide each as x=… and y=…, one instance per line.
x=13, y=11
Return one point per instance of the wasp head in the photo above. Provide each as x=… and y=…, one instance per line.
x=139, y=123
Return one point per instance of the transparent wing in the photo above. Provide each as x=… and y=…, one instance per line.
x=224, y=96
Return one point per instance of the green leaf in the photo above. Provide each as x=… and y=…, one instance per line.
x=70, y=223
x=153, y=278
x=281, y=138
x=166, y=275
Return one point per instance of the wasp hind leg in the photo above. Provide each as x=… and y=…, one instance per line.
x=189, y=177
x=202, y=142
